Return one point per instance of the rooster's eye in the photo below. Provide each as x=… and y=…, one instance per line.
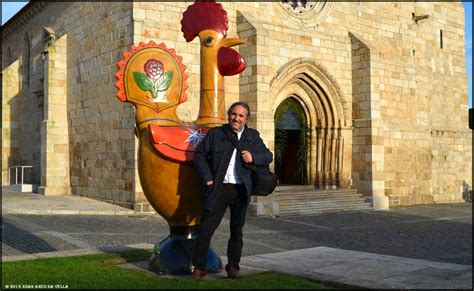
x=209, y=41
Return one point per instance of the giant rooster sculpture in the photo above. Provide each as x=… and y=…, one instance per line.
x=153, y=78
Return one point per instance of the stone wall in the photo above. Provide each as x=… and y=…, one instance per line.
x=404, y=108
x=100, y=129
x=412, y=104
x=101, y=137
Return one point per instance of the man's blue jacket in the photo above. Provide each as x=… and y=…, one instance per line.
x=213, y=155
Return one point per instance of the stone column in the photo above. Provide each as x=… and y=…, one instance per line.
x=55, y=176
x=313, y=162
x=339, y=147
x=319, y=156
x=327, y=157
x=333, y=183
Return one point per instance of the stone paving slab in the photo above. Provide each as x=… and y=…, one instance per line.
x=32, y=203
x=244, y=270
x=365, y=269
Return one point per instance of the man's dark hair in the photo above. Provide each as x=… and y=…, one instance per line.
x=243, y=104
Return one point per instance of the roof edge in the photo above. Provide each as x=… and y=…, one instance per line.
x=17, y=15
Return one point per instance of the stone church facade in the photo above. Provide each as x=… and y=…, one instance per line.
x=378, y=93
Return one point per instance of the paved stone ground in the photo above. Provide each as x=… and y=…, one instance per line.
x=440, y=233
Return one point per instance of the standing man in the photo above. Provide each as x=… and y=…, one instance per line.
x=228, y=184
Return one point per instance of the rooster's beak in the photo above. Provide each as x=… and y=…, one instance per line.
x=230, y=42
x=230, y=62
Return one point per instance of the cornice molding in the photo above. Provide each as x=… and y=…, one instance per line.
x=20, y=20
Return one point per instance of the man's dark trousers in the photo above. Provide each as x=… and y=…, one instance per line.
x=235, y=197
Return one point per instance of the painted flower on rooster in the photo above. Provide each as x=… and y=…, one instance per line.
x=155, y=80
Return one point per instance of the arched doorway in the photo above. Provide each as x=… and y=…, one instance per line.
x=320, y=104
x=291, y=143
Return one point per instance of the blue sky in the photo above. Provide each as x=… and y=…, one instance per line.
x=10, y=8
x=468, y=25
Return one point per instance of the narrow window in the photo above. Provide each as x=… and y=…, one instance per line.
x=441, y=38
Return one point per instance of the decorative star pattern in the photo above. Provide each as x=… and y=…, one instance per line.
x=195, y=136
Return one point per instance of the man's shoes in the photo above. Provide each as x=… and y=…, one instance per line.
x=197, y=274
x=233, y=273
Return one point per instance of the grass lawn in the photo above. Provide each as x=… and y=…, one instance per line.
x=102, y=271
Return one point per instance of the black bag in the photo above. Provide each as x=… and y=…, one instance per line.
x=264, y=182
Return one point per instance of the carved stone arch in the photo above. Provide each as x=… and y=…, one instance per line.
x=322, y=99
x=314, y=74
x=301, y=95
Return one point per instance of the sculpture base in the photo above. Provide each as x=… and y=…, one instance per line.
x=173, y=256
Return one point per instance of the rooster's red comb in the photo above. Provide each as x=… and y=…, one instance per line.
x=204, y=15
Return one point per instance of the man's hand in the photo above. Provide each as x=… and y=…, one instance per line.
x=209, y=183
x=247, y=157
